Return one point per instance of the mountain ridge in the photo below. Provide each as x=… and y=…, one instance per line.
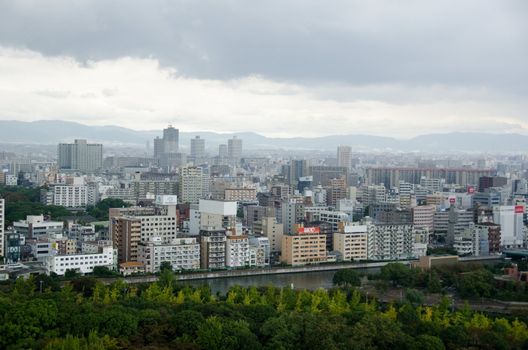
x=56, y=131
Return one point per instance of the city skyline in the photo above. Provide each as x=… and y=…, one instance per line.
x=282, y=70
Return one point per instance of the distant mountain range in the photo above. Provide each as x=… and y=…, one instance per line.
x=47, y=132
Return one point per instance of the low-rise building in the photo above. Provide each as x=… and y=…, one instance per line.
x=83, y=263
x=351, y=242
x=181, y=253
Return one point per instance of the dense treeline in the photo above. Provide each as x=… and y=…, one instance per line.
x=85, y=314
x=468, y=280
x=23, y=201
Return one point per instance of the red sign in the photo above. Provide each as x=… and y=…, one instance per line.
x=452, y=200
x=308, y=230
x=519, y=209
x=471, y=189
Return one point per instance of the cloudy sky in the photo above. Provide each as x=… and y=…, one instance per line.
x=277, y=67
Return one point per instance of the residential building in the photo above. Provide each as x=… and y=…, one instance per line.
x=181, y=253
x=234, y=148
x=351, y=242
x=197, y=148
x=83, y=263
x=80, y=156
x=237, y=251
x=344, y=156
x=510, y=219
x=423, y=217
x=191, y=185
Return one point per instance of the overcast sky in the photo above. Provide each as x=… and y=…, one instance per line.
x=280, y=68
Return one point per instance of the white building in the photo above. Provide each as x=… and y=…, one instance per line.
x=217, y=215
x=391, y=242
x=510, y=217
x=2, y=223
x=69, y=196
x=35, y=226
x=351, y=241
x=191, y=184
x=83, y=263
x=260, y=251
x=181, y=253
x=423, y=217
x=237, y=251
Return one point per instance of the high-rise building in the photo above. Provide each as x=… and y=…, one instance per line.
x=171, y=138
x=2, y=211
x=80, y=156
x=344, y=156
x=234, y=148
x=191, y=184
x=222, y=151
x=197, y=147
x=510, y=219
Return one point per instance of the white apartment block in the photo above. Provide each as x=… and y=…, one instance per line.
x=423, y=217
x=351, y=242
x=181, y=253
x=84, y=263
x=2, y=223
x=391, y=242
x=237, y=251
x=69, y=196
x=35, y=226
x=510, y=217
x=191, y=184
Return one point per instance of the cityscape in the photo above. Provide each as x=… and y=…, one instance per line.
x=199, y=183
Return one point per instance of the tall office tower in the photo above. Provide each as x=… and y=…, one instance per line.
x=344, y=156
x=197, y=147
x=222, y=151
x=158, y=147
x=2, y=211
x=297, y=169
x=171, y=140
x=234, y=148
x=191, y=185
x=80, y=156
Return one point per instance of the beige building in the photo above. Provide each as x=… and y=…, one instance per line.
x=240, y=194
x=274, y=232
x=423, y=217
x=351, y=241
x=306, y=246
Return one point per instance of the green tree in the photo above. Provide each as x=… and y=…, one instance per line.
x=346, y=277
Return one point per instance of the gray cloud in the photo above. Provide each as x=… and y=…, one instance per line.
x=473, y=42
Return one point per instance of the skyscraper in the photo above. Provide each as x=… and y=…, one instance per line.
x=234, y=148
x=197, y=147
x=171, y=138
x=344, y=156
x=222, y=151
x=191, y=185
x=80, y=156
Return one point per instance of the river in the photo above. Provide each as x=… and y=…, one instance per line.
x=302, y=280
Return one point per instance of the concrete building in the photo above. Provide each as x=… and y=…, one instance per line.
x=234, y=148
x=217, y=215
x=351, y=242
x=240, y=194
x=213, y=249
x=80, y=156
x=510, y=218
x=334, y=218
x=344, y=156
x=69, y=196
x=259, y=251
x=197, y=148
x=391, y=176
x=83, y=263
x=273, y=231
x=305, y=246
x=292, y=214
x=423, y=217
x=2, y=224
x=191, y=185
x=36, y=227
x=391, y=242
x=237, y=251
x=127, y=230
x=181, y=253
x=222, y=151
